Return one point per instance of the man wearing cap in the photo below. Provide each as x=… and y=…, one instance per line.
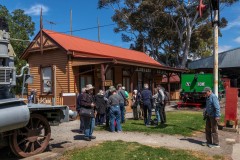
x=87, y=101
x=212, y=117
x=123, y=96
x=114, y=101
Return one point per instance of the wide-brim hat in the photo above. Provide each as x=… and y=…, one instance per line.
x=89, y=86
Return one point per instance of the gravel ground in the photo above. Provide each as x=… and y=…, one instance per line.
x=66, y=137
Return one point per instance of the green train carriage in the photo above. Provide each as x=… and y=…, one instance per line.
x=192, y=86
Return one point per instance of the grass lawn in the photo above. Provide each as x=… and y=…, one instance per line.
x=119, y=150
x=178, y=122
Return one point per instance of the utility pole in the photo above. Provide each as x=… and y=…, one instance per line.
x=98, y=29
x=215, y=52
x=41, y=32
x=215, y=9
x=71, y=21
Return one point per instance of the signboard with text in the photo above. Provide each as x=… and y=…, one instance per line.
x=108, y=83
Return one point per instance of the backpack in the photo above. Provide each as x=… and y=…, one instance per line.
x=159, y=97
x=167, y=96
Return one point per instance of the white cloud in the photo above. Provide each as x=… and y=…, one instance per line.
x=232, y=24
x=237, y=40
x=36, y=9
x=224, y=48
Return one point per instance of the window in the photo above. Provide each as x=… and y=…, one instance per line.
x=109, y=74
x=84, y=80
x=139, y=80
x=47, y=79
x=126, y=80
x=126, y=83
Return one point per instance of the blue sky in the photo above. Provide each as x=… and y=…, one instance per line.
x=85, y=14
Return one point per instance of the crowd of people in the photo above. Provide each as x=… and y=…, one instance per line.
x=108, y=108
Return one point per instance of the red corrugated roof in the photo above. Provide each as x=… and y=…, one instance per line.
x=72, y=43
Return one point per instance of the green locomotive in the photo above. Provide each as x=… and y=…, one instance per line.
x=192, y=86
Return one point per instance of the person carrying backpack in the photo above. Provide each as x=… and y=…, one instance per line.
x=157, y=99
x=123, y=97
x=101, y=105
x=106, y=97
x=161, y=101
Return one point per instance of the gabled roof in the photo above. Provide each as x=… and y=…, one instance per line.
x=79, y=46
x=227, y=59
x=72, y=43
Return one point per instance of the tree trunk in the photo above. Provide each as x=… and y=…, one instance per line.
x=187, y=44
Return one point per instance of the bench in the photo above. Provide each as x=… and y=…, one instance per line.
x=180, y=104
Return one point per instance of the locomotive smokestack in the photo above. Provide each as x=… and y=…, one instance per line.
x=4, y=39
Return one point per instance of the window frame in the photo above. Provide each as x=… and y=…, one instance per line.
x=51, y=79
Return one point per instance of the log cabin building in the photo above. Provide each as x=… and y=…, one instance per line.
x=62, y=64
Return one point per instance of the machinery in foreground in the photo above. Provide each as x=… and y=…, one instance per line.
x=23, y=127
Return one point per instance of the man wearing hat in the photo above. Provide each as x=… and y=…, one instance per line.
x=87, y=101
x=106, y=96
x=213, y=114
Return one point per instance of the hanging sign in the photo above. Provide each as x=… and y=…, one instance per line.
x=108, y=83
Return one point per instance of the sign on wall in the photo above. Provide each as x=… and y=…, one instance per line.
x=140, y=69
x=108, y=83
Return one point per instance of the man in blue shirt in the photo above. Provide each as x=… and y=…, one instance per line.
x=213, y=114
x=146, y=96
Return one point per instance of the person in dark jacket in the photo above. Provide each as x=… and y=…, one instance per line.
x=114, y=101
x=146, y=96
x=101, y=106
x=87, y=101
x=106, y=97
x=81, y=130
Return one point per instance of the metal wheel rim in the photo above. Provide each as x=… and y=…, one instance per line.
x=32, y=139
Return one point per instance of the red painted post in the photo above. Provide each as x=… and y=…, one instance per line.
x=231, y=105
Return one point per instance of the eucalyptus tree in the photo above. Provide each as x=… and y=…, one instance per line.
x=170, y=31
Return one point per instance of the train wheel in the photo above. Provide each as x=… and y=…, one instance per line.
x=33, y=138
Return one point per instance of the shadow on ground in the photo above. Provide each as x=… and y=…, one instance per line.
x=192, y=141
x=79, y=137
x=6, y=154
x=57, y=145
